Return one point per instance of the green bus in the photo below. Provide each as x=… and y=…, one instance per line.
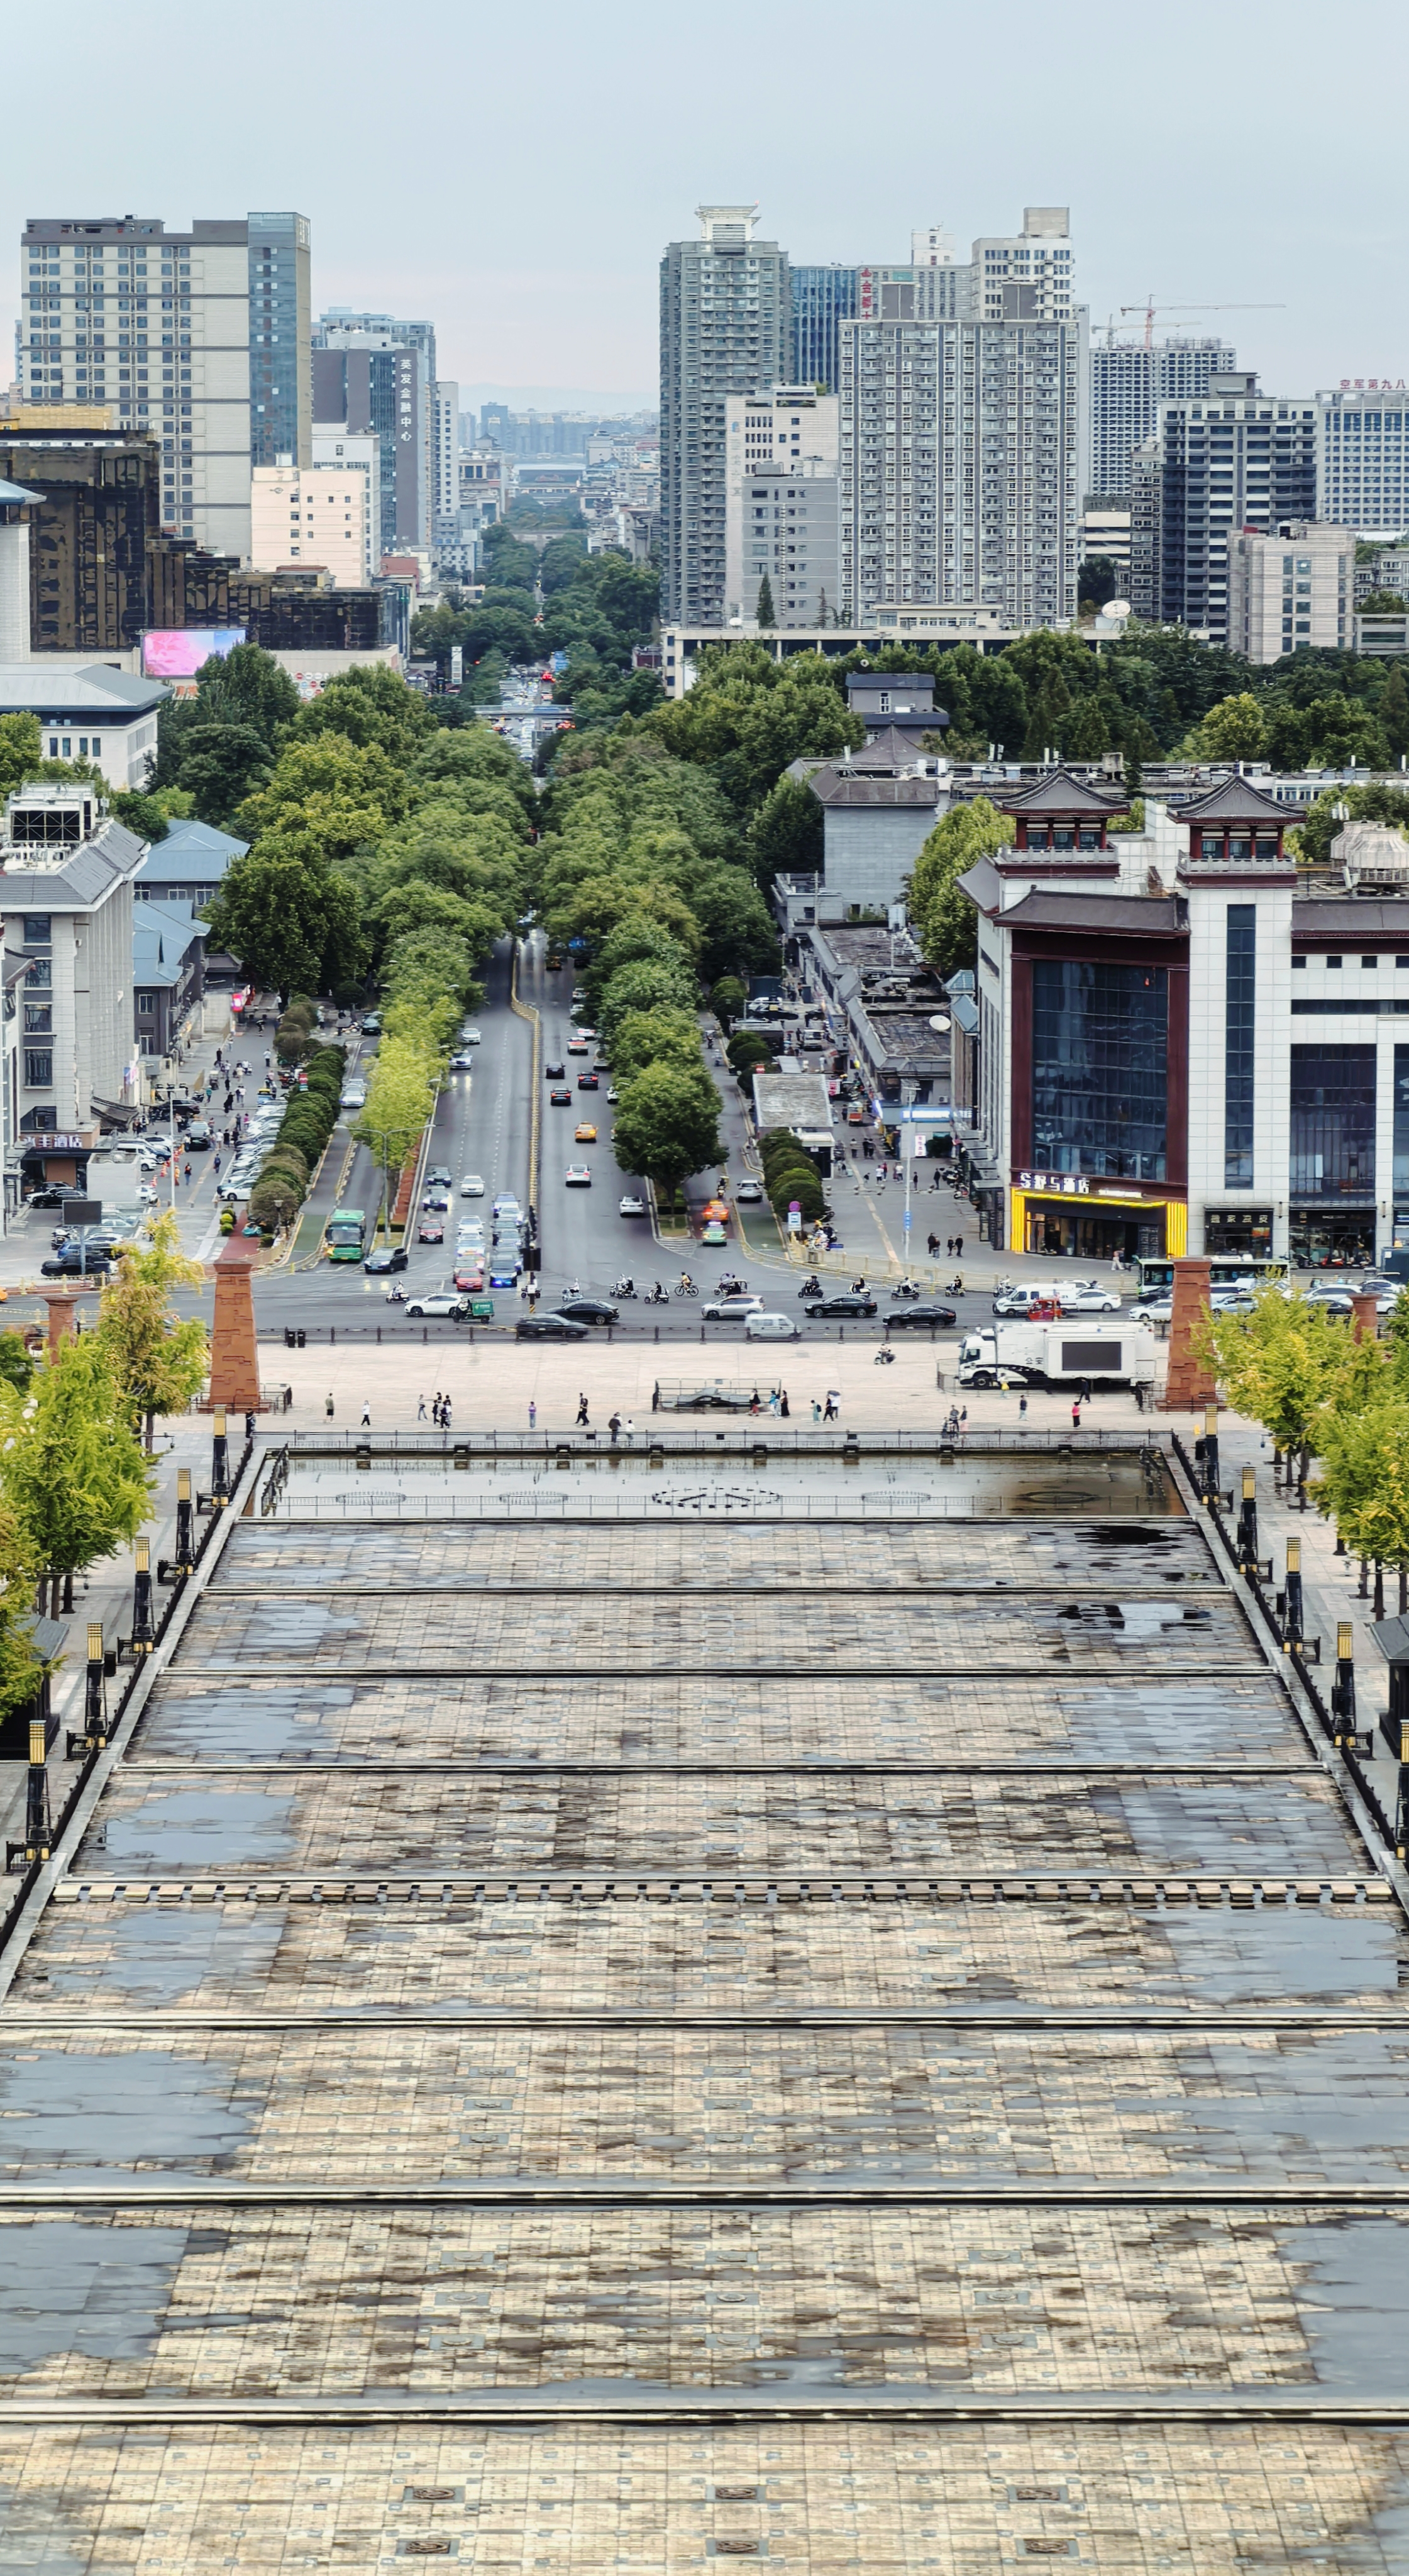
x=347, y=1234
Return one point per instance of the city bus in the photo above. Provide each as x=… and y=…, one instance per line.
x=1225, y=1270
x=347, y=1234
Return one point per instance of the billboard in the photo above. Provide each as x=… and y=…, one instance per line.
x=177, y=652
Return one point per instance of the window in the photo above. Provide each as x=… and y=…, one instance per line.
x=36, y=930
x=1333, y=961
x=1240, y=986
x=38, y=1067
x=1333, y=1122
x=1099, y=1064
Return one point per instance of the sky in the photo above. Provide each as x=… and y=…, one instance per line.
x=515, y=174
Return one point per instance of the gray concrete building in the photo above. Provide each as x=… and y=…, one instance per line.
x=1128, y=383
x=1235, y=459
x=725, y=328
x=962, y=394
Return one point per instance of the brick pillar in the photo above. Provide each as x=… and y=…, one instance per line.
x=60, y=1304
x=234, y=1355
x=1190, y=1383
x=1364, y=1316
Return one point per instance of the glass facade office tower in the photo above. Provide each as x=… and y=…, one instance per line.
x=281, y=338
x=821, y=299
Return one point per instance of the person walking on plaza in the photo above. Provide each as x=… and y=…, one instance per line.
x=829, y=1410
x=532, y=1414
x=582, y=1409
x=1076, y=1413
x=366, y=1416
x=420, y=1408
x=328, y=1404
x=614, y=1428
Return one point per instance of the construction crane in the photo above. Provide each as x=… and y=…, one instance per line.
x=1149, y=308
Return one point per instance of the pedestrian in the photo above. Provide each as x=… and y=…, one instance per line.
x=1022, y=1410
x=614, y=1428
x=829, y=1411
x=783, y=1405
x=958, y=1247
x=328, y=1404
x=630, y=1431
x=445, y=1414
x=217, y=1167
x=1076, y=1413
x=816, y=1410
x=532, y=1414
x=963, y=1420
x=420, y=1408
x=582, y=1408
x=366, y=1415
x=773, y=1402
x=188, y=1171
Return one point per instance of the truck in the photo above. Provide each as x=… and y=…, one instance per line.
x=1069, y=1354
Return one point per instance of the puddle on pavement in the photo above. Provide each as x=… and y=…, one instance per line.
x=238, y=1724
x=191, y=1829
x=149, y=1955
x=1292, y=1952
x=1353, y=2303
x=79, y=2286
x=60, y=2110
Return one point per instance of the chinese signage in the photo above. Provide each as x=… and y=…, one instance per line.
x=1070, y=1184
x=1372, y=385
x=54, y=1144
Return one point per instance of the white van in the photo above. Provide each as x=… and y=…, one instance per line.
x=770, y=1328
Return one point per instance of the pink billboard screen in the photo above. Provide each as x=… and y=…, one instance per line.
x=177, y=652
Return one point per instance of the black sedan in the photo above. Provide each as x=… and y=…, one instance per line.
x=921, y=1319
x=840, y=1305
x=549, y=1328
x=587, y=1310
x=392, y=1257
x=554, y=1072
x=560, y=1099
x=72, y=1265
x=588, y=1082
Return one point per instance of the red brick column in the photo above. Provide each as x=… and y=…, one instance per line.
x=60, y=1304
x=1190, y=1382
x=1364, y=1316
x=234, y=1355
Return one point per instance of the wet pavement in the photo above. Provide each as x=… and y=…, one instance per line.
x=608, y=1991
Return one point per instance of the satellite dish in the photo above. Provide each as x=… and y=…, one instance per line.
x=1116, y=608
x=940, y=1021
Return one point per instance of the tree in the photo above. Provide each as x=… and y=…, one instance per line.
x=655, y=1037
x=247, y=687
x=787, y=834
x=139, y=813
x=1393, y=711
x=222, y=764
x=1234, y=730
x=21, y=749
x=1087, y=735
x=645, y=987
x=1096, y=581
x=294, y=925
x=1364, y=1481
x=71, y=1466
x=944, y=917
x=400, y=1099
x=1283, y=1365
x=765, y=612
x=728, y=1001
x=330, y=792
x=370, y=707
x=667, y=1125
x=158, y=1360
x=1368, y=804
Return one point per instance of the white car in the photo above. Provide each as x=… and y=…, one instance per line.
x=442, y=1301
x=630, y=1206
x=748, y=1193
x=506, y=1204
x=470, y=1037
x=731, y=1310
x=1087, y=1297
x=578, y=1176
x=472, y=1187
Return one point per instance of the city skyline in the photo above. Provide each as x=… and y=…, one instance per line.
x=558, y=281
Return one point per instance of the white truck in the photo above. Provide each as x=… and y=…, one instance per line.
x=1063, y=1354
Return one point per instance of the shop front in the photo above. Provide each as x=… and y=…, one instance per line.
x=1332, y=1238
x=1229, y=1230
x=1081, y=1220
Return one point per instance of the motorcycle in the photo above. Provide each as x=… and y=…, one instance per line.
x=906, y=1288
x=396, y=1296
x=885, y=1358
x=730, y=1286
x=658, y=1296
x=813, y=1288
x=624, y=1288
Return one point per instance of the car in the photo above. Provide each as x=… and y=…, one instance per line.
x=1153, y=1310
x=470, y=1037
x=371, y=1024
x=435, y=1203
x=583, y=1031
x=439, y=1176
x=461, y=1063
x=584, y=1133
x=748, y=1192
x=578, y=1176
x=922, y=1318
x=555, y=1072
x=431, y=1230
x=587, y=1310
x=48, y=1198
x=469, y=1278
x=472, y=1187
x=630, y=1205
x=577, y=1046
x=503, y=1271
x=730, y=1310
x=844, y=1303
x=506, y=1204
x=72, y=1264
x=1019, y=1301
x=199, y=1137
x=560, y=1099
x=549, y=1328
x=588, y=1082
x=353, y=1095
x=469, y=1229
x=146, y=1195
x=441, y=1301
x=390, y=1256
x=613, y=1094
x=1087, y=1297
x=712, y=1231
x=764, y=1327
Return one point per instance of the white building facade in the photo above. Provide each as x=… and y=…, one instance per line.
x=1293, y=587
x=781, y=505
x=1362, y=470
x=311, y=514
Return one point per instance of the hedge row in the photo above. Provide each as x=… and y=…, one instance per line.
x=299, y=1146
x=789, y=1172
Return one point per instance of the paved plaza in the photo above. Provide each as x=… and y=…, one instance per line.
x=738, y=1999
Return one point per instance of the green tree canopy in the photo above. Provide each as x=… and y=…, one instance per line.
x=21, y=749
x=943, y=916
x=662, y=1036
x=667, y=1125
x=221, y=765
x=158, y=1359
x=71, y=1466
x=294, y=923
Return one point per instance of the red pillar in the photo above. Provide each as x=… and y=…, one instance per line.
x=234, y=1354
x=1190, y=1382
x=60, y=1304
x=1364, y=1316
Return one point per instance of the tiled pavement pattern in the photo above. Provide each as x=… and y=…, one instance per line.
x=591, y=2001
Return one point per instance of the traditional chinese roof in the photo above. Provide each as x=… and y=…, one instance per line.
x=1063, y=797
x=1233, y=800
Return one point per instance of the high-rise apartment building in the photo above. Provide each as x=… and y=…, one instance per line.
x=445, y=460
x=1234, y=459
x=281, y=330
x=725, y=328
x=961, y=429
x=119, y=311
x=1293, y=588
x=821, y=298
x=373, y=373
x=311, y=514
x=356, y=452
x=1128, y=384
x=781, y=518
x=1362, y=459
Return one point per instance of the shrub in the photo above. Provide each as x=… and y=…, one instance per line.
x=288, y=1158
x=747, y=1052
x=780, y=1145
x=801, y=1183
x=274, y=1200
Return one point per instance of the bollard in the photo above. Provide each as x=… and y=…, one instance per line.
x=37, y=1828
x=219, y=1463
x=1210, y=1450
x=185, y=1544
x=95, y=1711
x=1247, y=1523
x=1292, y=1630
x=1343, y=1691
x=1401, y=1813
x=142, y=1637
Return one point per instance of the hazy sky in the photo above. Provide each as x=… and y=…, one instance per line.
x=513, y=172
